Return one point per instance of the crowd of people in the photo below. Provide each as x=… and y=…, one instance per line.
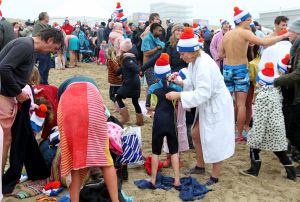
x=201, y=87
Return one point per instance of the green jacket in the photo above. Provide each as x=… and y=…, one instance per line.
x=38, y=26
x=292, y=79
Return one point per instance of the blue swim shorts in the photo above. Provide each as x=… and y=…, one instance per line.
x=236, y=78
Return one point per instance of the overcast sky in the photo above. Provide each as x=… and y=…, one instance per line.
x=213, y=10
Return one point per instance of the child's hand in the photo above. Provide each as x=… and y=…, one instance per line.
x=37, y=91
x=35, y=106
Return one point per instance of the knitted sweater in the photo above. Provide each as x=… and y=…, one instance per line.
x=112, y=68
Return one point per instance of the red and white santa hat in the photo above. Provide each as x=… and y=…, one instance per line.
x=162, y=68
x=201, y=42
x=282, y=64
x=187, y=41
x=267, y=75
x=240, y=15
x=119, y=9
x=196, y=27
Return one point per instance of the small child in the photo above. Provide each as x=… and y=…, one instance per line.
x=164, y=124
x=103, y=52
x=131, y=87
x=268, y=131
x=114, y=81
x=183, y=143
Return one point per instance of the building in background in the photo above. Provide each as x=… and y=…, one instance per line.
x=201, y=22
x=266, y=19
x=178, y=13
x=139, y=17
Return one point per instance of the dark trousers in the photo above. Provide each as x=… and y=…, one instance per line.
x=283, y=158
x=24, y=151
x=293, y=127
x=135, y=102
x=44, y=67
x=112, y=92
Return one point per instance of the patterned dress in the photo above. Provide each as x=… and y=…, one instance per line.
x=268, y=131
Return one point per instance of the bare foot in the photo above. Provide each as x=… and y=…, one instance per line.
x=177, y=183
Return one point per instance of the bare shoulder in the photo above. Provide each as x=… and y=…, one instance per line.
x=246, y=34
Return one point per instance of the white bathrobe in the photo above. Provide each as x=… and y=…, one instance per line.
x=205, y=89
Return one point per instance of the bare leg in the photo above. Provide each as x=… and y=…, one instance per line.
x=6, y=145
x=72, y=58
x=216, y=169
x=241, y=114
x=249, y=107
x=198, y=146
x=111, y=181
x=154, y=167
x=75, y=185
x=175, y=165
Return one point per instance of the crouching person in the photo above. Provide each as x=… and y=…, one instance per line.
x=84, y=138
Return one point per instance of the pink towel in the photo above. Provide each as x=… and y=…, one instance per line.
x=183, y=143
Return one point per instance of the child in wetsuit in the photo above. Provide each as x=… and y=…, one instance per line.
x=164, y=123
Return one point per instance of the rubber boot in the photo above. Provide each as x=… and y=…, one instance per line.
x=139, y=119
x=253, y=170
x=124, y=115
x=291, y=172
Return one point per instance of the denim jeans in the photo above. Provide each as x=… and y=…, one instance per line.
x=44, y=67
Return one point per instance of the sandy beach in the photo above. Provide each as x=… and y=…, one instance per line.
x=270, y=185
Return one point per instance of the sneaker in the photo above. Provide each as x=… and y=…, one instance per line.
x=240, y=138
x=245, y=134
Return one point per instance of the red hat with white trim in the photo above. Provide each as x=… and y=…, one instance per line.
x=119, y=9
x=201, y=42
x=267, y=75
x=162, y=68
x=240, y=15
x=187, y=41
x=196, y=27
x=282, y=65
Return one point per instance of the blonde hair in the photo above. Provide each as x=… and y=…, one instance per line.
x=196, y=54
x=112, y=54
x=35, y=77
x=173, y=40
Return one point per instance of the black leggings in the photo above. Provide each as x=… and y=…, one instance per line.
x=112, y=92
x=283, y=158
x=135, y=102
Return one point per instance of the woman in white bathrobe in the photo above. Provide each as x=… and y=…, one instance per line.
x=204, y=88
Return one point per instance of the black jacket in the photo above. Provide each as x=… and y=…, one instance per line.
x=175, y=61
x=131, y=87
x=6, y=33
